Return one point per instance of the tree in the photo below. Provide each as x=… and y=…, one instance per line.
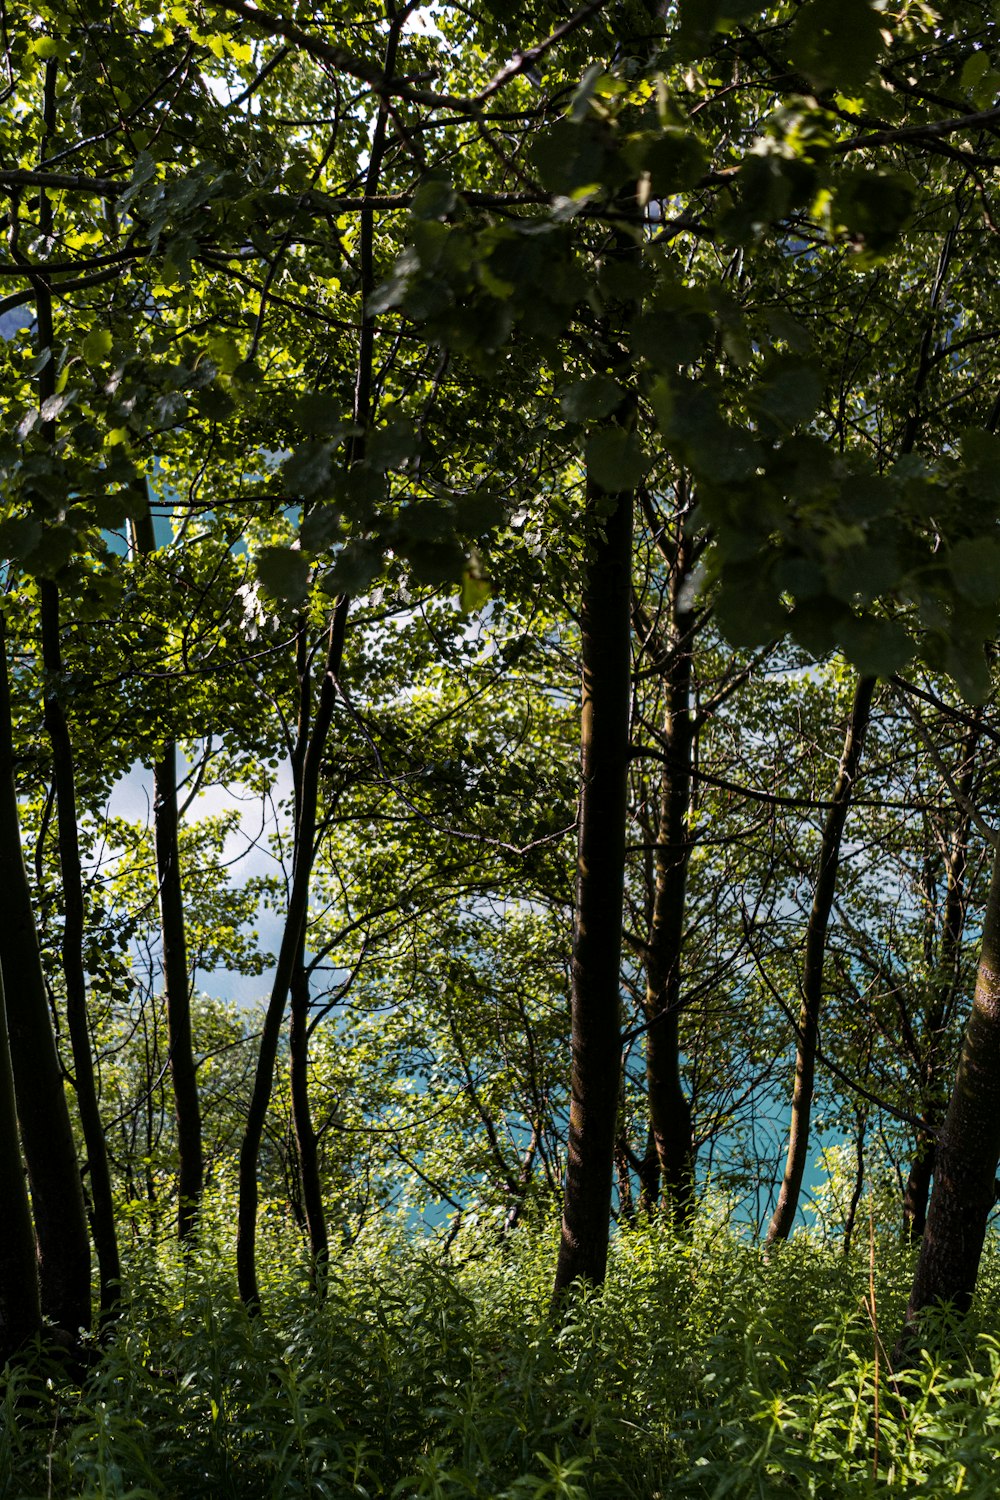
x=813, y=962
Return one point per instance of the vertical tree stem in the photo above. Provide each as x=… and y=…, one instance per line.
x=46, y=1131
x=812, y=969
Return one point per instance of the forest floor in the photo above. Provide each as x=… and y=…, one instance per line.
x=701, y=1370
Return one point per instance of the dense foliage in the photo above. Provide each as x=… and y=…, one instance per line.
x=702, y=1370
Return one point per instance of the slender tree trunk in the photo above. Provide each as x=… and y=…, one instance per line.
x=105, y=1238
x=306, y=1139
x=605, y=640
x=20, y=1307
x=520, y=1190
x=812, y=973
x=177, y=987
x=859, y=1183
x=648, y=1173
x=669, y=1109
x=291, y=943
x=176, y=978
x=62, y=760
x=623, y=1180
x=968, y=1146
x=944, y=991
x=595, y=976
x=918, y=1188
x=46, y=1130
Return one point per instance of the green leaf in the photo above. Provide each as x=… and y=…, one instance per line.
x=54, y=406
x=864, y=573
x=770, y=185
x=435, y=198
x=19, y=537
x=440, y=560
x=981, y=458
x=974, y=68
x=789, y=392
x=584, y=92
x=320, y=527
x=284, y=573
x=97, y=346
x=392, y=446
x=674, y=157
x=698, y=21
x=836, y=43
x=748, y=609
x=479, y=512
x=878, y=648
x=670, y=339
x=615, y=460
x=474, y=591
x=356, y=566
x=571, y=157
x=392, y=293
x=52, y=552
x=319, y=414
x=874, y=206
x=589, y=400
x=225, y=353
x=975, y=567
x=308, y=471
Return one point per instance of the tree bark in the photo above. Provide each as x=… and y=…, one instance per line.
x=605, y=640
x=918, y=1188
x=176, y=977
x=968, y=1146
x=669, y=1109
x=177, y=988
x=306, y=1139
x=105, y=1237
x=63, y=1239
x=65, y=1289
x=944, y=992
x=812, y=970
x=291, y=942
x=306, y=1142
x=20, y=1307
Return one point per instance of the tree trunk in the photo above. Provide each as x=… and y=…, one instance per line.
x=306, y=1140
x=605, y=640
x=105, y=1239
x=62, y=763
x=669, y=1109
x=20, y=1308
x=176, y=978
x=306, y=1143
x=63, y=1240
x=918, y=1187
x=812, y=972
x=291, y=943
x=177, y=988
x=648, y=1172
x=859, y=1183
x=945, y=989
x=968, y=1146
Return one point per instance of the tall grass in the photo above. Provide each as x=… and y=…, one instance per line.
x=700, y=1370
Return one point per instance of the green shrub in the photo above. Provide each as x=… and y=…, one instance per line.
x=702, y=1369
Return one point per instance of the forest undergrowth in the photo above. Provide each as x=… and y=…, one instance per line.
x=702, y=1369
